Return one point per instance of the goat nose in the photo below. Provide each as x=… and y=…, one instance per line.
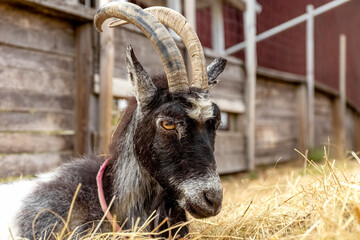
x=213, y=198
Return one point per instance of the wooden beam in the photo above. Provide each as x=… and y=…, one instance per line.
x=341, y=122
x=217, y=27
x=84, y=66
x=78, y=13
x=310, y=75
x=190, y=12
x=106, y=96
x=251, y=64
x=175, y=5
x=239, y=4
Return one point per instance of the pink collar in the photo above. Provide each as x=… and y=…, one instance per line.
x=102, y=200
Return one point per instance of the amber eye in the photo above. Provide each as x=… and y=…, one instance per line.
x=168, y=125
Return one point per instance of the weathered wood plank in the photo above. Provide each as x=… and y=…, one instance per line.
x=277, y=156
x=121, y=87
x=29, y=30
x=277, y=132
x=276, y=91
x=277, y=127
x=25, y=164
x=84, y=74
x=324, y=119
x=143, y=49
x=266, y=147
x=270, y=114
x=36, y=121
x=229, y=89
x=22, y=100
x=78, y=13
x=36, y=80
x=229, y=152
x=349, y=132
x=229, y=105
x=34, y=143
x=28, y=59
x=106, y=74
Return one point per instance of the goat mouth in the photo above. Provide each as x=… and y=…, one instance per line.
x=202, y=210
x=205, y=204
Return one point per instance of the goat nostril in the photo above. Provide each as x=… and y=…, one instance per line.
x=213, y=199
x=208, y=198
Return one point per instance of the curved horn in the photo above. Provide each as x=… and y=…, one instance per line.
x=159, y=36
x=179, y=24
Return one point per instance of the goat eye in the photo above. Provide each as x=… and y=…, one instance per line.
x=168, y=125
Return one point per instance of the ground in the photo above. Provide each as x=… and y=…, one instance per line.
x=289, y=201
x=298, y=200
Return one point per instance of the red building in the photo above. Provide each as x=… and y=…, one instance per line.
x=286, y=51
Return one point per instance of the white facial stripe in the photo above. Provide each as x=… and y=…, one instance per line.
x=202, y=108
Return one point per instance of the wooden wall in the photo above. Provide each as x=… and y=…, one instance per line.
x=323, y=119
x=36, y=90
x=351, y=127
x=48, y=108
x=228, y=94
x=143, y=48
x=276, y=129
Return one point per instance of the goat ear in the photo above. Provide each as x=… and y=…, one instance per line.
x=214, y=69
x=140, y=79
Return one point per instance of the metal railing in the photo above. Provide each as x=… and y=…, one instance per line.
x=251, y=62
x=289, y=24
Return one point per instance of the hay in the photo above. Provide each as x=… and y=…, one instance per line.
x=319, y=202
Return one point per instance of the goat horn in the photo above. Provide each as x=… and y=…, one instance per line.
x=179, y=24
x=156, y=32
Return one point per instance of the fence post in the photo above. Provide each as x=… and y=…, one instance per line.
x=340, y=104
x=106, y=76
x=175, y=5
x=84, y=74
x=250, y=62
x=190, y=12
x=310, y=75
x=217, y=25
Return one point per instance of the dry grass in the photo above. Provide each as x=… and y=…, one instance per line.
x=318, y=202
x=315, y=201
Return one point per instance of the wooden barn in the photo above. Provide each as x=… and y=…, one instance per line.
x=63, y=85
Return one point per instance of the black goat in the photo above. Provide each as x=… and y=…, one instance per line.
x=161, y=155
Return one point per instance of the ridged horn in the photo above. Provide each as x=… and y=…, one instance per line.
x=158, y=35
x=180, y=25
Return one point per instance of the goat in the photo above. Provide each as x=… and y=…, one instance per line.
x=161, y=154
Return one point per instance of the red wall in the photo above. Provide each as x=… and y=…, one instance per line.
x=286, y=51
